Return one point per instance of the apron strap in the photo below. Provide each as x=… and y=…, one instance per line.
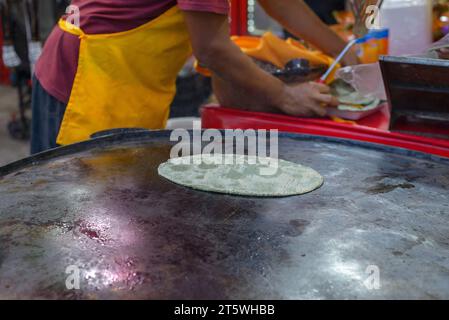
x=71, y=28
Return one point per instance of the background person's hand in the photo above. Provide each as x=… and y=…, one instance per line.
x=307, y=99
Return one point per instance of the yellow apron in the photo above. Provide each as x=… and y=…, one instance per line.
x=126, y=79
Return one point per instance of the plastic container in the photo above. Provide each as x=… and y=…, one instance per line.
x=383, y=39
x=410, y=23
x=367, y=50
x=374, y=44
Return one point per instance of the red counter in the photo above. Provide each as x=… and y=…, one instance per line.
x=371, y=129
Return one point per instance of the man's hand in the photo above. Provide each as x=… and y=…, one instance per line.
x=239, y=83
x=307, y=99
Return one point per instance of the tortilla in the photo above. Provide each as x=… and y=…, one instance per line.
x=356, y=98
x=340, y=88
x=372, y=105
x=244, y=177
x=350, y=99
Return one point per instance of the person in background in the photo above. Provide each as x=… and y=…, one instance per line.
x=325, y=9
x=118, y=67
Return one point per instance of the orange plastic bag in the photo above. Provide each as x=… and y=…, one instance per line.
x=272, y=49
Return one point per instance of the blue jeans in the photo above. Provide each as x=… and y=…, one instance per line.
x=46, y=120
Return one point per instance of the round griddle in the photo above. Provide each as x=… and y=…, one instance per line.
x=101, y=207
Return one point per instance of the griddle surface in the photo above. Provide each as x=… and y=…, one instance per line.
x=134, y=234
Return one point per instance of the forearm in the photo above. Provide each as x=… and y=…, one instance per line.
x=300, y=20
x=238, y=82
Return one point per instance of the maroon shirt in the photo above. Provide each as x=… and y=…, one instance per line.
x=57, y=66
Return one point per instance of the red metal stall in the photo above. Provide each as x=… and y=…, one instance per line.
x=228, y=118
x=4, y=72
x=239, y=17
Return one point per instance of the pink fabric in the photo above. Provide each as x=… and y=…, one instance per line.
x=216, y=6
x=56, y=68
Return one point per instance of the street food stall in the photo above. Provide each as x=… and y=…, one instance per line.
x=414, y=114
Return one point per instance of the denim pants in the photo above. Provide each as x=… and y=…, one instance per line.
x=46, y=119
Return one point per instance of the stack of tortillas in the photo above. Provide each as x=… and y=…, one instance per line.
x=350, y=99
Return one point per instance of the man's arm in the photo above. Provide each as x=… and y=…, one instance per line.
x=239, y=82
x=300, y=20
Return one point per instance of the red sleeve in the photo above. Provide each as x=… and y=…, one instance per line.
x=215, y=6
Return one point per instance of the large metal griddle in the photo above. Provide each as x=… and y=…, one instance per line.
x=101, y=206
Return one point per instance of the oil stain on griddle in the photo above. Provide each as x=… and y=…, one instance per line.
x=385, y=188
x=388, y=183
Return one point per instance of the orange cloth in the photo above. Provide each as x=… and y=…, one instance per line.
x=340, y=120
x=272, y=49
